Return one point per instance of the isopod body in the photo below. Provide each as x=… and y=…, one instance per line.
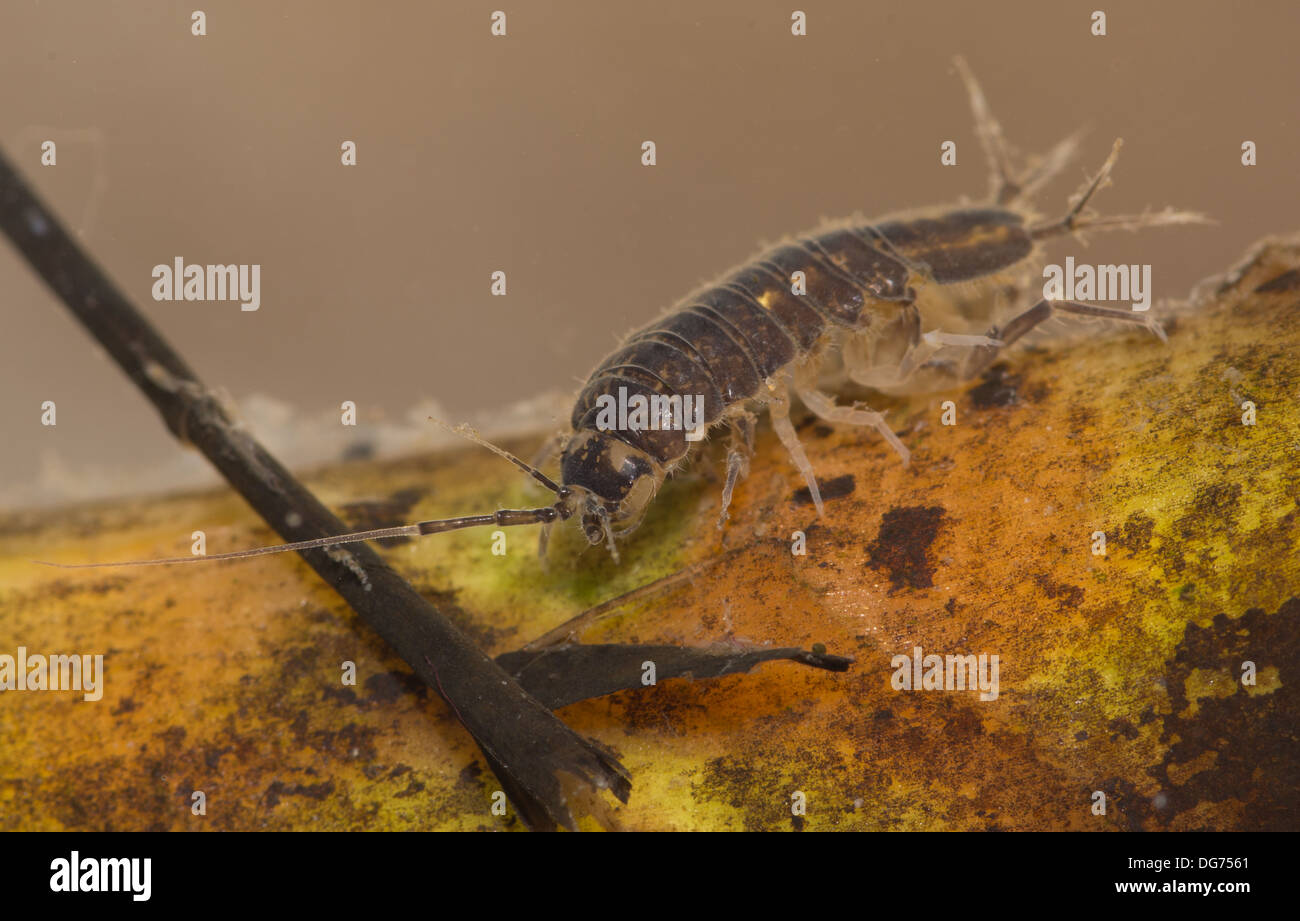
x=736, y=344
x=913, y=303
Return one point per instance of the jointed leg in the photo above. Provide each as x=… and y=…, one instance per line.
x=742, y=448
x=825, y=407
x=931, y=343
x=543, y=539
x=779, y=411
x=983, y=356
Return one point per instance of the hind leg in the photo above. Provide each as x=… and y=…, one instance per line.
x=940, y=363
x=957, y=367
x=930, y=345
x=981, y=357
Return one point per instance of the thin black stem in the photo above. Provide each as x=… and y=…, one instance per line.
x=524, y=743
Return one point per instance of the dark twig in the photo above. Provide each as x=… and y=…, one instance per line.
x=525, y=744
x=561, y=675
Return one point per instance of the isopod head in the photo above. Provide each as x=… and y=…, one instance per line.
x=612, y=483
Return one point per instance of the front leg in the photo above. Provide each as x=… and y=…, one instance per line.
x=738, y=455
x=778, y=410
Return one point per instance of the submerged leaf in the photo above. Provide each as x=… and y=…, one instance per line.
x=1119, y=674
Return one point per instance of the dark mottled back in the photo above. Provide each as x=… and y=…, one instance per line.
x=960, y=245
x=723, y=343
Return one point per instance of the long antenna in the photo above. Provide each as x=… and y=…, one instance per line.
x=465, y=431
x=502, y=518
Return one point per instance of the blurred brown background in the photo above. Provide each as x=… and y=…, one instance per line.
x=523, y=154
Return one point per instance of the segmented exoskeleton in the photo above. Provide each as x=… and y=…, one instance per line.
x=917, y=302
x=855, y=295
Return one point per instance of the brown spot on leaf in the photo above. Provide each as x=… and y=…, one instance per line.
x=836, y=488
x=903, y=545
x=1214, y=511
x=386, y=687
x=1136, y=532
x=1000, y=388
x=1122, y=728
x=1070, y=596
x=412, y=789
x=278, y=789
x=1253, y=737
